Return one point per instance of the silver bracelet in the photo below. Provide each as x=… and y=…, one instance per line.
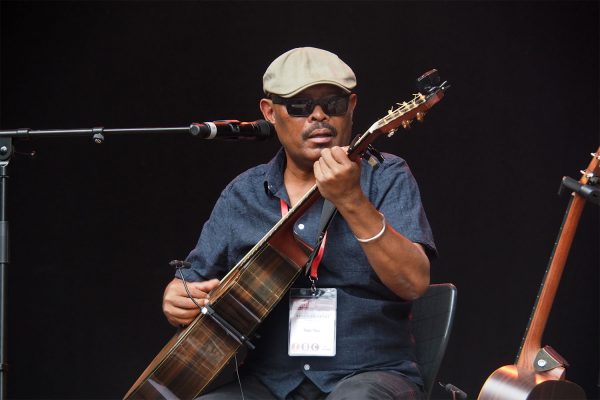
x=381, y=232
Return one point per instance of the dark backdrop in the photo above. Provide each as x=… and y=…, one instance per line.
x=93, y=227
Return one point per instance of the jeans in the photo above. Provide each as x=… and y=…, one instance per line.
x=372, y=385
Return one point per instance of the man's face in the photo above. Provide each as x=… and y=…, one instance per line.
x=304, y=137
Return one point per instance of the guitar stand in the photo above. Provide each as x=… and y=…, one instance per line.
x=547, y=359
x=588, y=191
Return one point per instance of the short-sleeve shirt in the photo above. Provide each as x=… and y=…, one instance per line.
x=373, y=329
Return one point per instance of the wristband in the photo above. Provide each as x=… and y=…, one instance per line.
x=378, y=235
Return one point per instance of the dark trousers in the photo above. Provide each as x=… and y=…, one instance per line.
x=373, y=385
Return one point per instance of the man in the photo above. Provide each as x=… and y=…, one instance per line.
x=376, y=254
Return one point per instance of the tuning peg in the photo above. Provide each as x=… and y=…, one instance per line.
x=406, y=124
x=420, y=116
x=587, y=174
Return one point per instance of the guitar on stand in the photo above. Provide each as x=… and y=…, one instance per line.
x=539, y=372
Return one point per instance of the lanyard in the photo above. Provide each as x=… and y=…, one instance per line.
x=317, y=260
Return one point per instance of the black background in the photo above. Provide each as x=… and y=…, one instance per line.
x=93, y=226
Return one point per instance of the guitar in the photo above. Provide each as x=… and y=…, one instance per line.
x=539, y=372
x=196, y=355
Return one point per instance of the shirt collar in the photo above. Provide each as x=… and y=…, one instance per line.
x=274, y=177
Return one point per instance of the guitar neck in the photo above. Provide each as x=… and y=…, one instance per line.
x=286, y=222
x=531, y=343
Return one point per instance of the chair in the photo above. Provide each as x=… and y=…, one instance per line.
x=432, y=317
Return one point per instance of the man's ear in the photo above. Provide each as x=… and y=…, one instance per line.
x=353, y=101
x=266, y=107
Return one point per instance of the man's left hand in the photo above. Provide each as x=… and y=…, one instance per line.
x=338, y=177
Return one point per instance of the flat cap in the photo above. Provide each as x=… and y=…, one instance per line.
x=300, y=68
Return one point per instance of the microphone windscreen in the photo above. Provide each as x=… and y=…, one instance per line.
x=266, y=128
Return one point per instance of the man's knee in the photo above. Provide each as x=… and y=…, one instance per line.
x=251, y=389
x=376, y=385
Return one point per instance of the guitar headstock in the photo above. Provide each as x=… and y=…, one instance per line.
x=430, y=92
x=587, y=185
x=591, y=175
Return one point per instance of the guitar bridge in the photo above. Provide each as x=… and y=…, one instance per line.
x=227, y=327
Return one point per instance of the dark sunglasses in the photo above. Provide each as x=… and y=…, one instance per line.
x=301, y=107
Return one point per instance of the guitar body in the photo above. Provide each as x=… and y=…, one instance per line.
x=195, y=356
x=514, y=383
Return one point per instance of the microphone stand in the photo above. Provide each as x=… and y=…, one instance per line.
x=6, y=152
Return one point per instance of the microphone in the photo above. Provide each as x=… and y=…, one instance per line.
x=456, y=392
x=231, y=129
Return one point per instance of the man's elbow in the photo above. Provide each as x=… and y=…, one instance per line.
x=419, y=283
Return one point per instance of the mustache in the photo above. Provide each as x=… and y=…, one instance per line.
x=318, y=125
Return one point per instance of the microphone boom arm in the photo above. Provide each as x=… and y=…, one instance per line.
x=246, y=130
x=232, y=129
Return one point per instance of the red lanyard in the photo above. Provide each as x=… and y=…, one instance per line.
x=315, y=265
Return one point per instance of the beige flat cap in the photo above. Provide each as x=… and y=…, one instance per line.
x=300, y=68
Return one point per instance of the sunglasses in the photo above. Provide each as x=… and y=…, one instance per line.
x=301, y=107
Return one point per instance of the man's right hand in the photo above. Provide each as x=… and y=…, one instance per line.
x=179, y=309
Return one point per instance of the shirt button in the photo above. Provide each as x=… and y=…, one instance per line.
x=300, y=226
x=306, y=367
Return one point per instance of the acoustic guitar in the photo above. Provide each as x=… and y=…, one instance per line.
x=196, y=355
x=539, y=372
